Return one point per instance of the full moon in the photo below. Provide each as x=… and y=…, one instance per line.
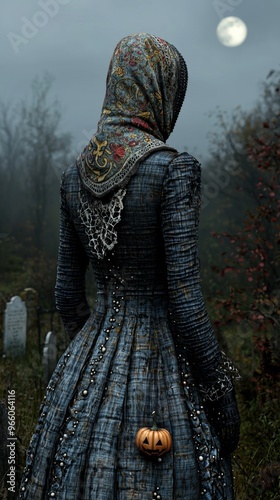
x=231, y=31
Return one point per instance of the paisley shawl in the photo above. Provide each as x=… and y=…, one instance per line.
x=145, y=89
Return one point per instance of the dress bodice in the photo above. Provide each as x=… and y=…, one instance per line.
x=156, y=254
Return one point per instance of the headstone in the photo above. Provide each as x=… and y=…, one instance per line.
x=15, y=328
x=49, y=356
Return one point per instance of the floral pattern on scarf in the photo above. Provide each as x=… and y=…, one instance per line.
x=138, y=112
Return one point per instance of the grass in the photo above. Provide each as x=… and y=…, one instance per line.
x=257, y=459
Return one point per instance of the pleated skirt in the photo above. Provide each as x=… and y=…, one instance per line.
x=119, y=369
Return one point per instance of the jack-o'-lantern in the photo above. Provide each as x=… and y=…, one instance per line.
x=153, y=441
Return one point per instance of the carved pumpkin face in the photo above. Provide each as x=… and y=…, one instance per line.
x=153, y=442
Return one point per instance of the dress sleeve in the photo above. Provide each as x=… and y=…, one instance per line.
x=70, y=294
x=193, y=331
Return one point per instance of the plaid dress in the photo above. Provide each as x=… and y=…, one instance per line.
x=138, y=352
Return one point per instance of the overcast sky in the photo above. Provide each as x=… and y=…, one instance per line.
x=76, y=39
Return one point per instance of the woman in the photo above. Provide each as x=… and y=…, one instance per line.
x=130, y=207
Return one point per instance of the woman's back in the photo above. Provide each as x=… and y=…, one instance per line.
x=138, y=254
x=132, y=368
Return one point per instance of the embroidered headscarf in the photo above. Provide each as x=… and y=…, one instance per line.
x=145, y=89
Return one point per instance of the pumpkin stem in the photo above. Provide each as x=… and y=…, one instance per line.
x=155, y=427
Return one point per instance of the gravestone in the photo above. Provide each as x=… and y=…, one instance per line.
x=49, y=356
x=15, y=317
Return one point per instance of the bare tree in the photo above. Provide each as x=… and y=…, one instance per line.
x=44, y=146
x=10, y=164
x=30, y=147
